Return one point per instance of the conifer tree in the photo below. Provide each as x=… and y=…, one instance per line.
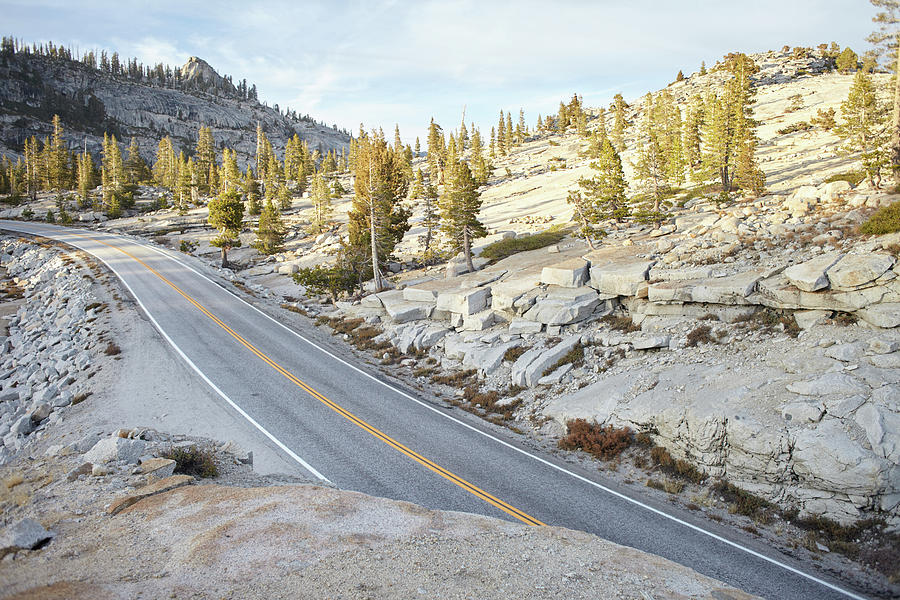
x=136, y=169
x=270, y=231
x=605, y=190
x=430, y=218
x=186, y=183
x=847, y=61
x=231, y=173
x=692, y=127
x=251, y=189
x=226, y=212
x=86, y=178
x=165, y=169
x=502, y=148
x=562, y=118
x=650, y=168
x=285, y=199
x=521, y=128
x=378, y=220
x=463, y=137
x=459, y=206
x=32, y=167
x=59, y=158
x=435, y=151
x=887, y=41
x=508, y=133
x=204, y=158
x=321, y=201
x=480, y=167
x=702, y=67
x=113, y=177
x=417, y=189
x=618, y=132
x=863, y=126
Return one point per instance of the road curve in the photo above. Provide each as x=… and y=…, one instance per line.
x=343, y=423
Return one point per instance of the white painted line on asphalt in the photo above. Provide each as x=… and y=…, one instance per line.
x=202, y=375
x=600, y=486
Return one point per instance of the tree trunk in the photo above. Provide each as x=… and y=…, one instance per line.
x=224, y=258
x=467, y=250
x=895, y=122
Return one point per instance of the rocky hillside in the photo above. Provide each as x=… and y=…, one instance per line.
x=33, y=88
x=88, y=511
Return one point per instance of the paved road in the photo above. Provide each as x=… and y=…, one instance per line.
x=344, y=424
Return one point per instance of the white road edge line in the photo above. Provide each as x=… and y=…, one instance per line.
x=610, y=491
x=519, y=450
x=203, y=376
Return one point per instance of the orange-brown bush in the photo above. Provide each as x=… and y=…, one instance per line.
x=604, y=442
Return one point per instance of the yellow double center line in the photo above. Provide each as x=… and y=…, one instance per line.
x=469, y=487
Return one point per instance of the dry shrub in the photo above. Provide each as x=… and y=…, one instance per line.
x=193, y=460
x=112, y=349
x=740, y=501
x=623, y=324
x=603, y=442
x=666, y=485
x=513, y=354
x=702, y=334
x=455, y=379
x=675, y=467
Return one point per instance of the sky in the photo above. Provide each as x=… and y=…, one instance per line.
x=386, y=62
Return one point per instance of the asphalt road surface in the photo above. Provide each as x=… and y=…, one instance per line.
x=343, y=423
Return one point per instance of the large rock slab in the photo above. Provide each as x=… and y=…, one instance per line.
x=778, y=292
x=115, y=448
x=731, y=290
x=504, y=294
x=812, y=275
x=620, y=278
x=858, y=270
x=464, y=302
x=530, y=367
x=487, y=358
x=572, y=273
x=828, y=384
x=401, y=310
x=563, y=306
x=886, y=314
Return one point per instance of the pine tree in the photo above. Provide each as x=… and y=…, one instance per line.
x=435, y=151
x=692, y=127
x=650, y=168
x=430, y=218
x=459, y=206
x=113, y=177
x=508, y=133
x=226, y=212
x=186, y=183
x=702, y=67
x=480, y=167
x=251, y=189
x=136, y=169
x=231, y=173
x=502, y=148
x=86, y=178
x=59, y=158
x=521, y=128
x=165, y=169
x=270, y=232
x=604, y=192
x=321, y=201
x=204, y=158
x=863, y=127
x=417, y=189
x=398, y=143
x=32, y=167
x=378, y=220
x=847, y=61
x=618, y=133
x=887, y=41
x=285, y=200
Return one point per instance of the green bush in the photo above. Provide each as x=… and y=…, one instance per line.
x=799, y=126
x=332, y=280
x=852, y=177
x=885, y=220
x=504, y=248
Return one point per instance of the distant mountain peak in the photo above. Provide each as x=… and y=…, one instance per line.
x=196, y=72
